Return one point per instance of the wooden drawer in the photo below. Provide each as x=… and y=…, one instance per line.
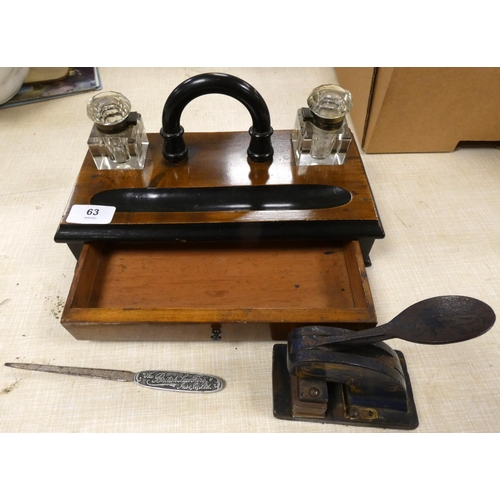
x=144, y=291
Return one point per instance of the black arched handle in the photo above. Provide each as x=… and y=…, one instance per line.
x=174, y=148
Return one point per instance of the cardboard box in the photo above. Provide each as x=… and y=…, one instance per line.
x=417, y=110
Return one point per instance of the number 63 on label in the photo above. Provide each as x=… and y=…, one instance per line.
x=90, y=214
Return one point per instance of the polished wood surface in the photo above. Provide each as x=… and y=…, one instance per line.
x=220, y=159
x=137, y=291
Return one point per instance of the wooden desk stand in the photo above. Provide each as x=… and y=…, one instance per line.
x=147, y=271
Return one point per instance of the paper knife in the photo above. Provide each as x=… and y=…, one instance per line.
x=154, y=379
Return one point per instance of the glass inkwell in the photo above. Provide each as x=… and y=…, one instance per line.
x=118, y=140
x=321, y=135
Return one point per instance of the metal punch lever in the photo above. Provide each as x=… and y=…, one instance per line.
x=334, y=375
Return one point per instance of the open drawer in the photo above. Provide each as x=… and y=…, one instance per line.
x=155, y=291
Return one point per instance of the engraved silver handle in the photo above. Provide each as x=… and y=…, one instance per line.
x=179, y=381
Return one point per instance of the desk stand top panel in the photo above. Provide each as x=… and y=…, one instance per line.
x=220, y=160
